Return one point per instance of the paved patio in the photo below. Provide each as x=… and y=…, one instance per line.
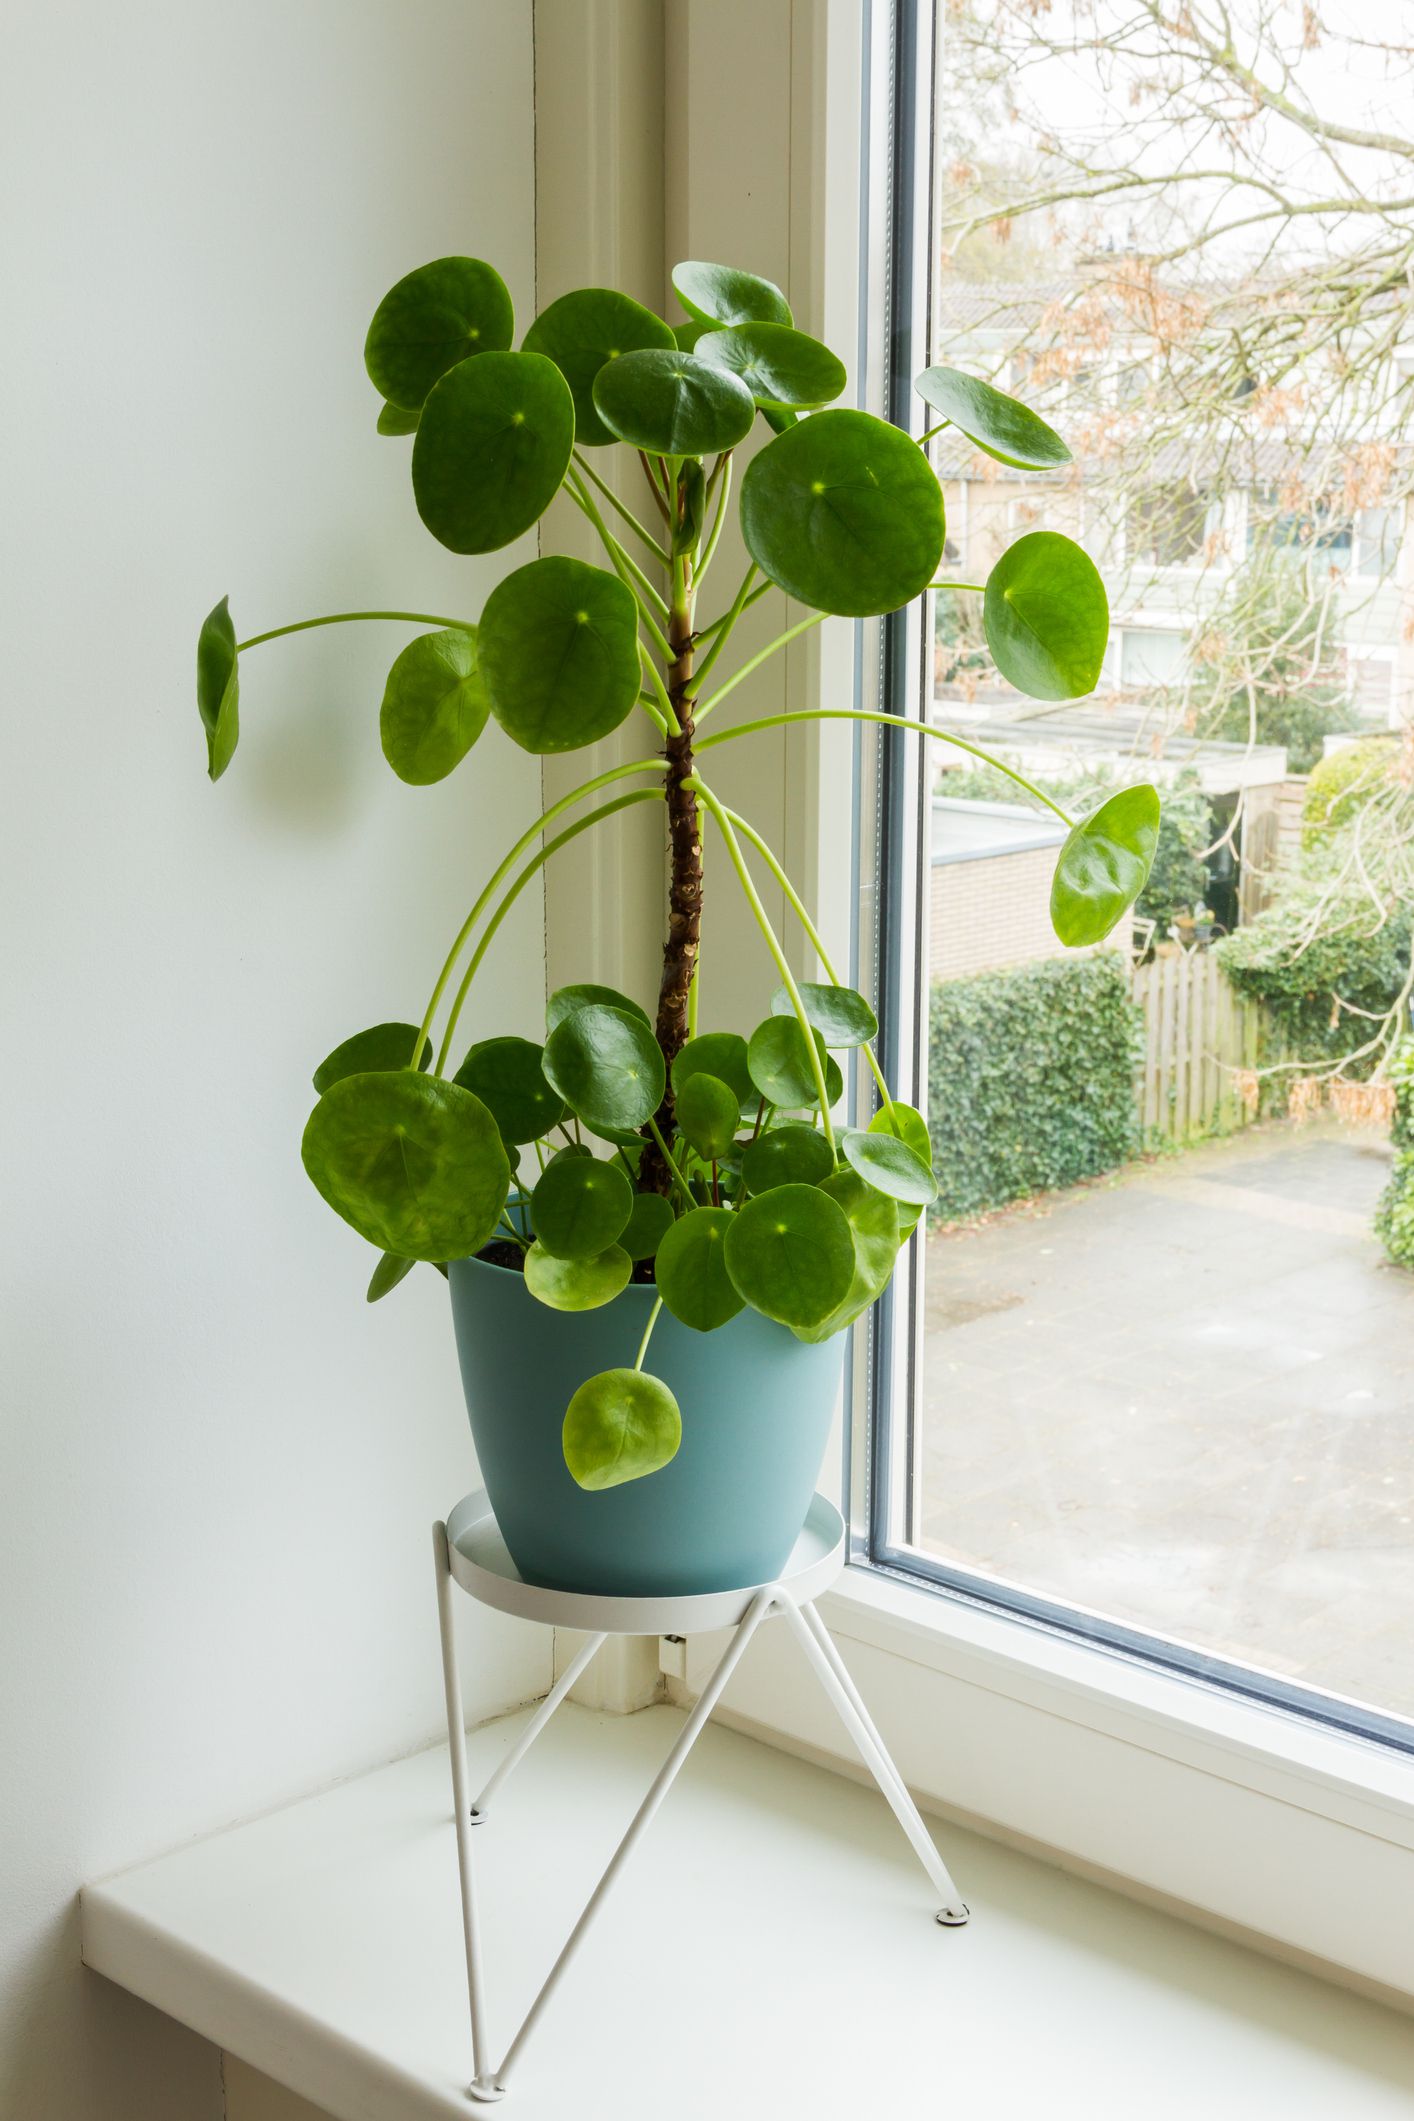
x=1185, y=1398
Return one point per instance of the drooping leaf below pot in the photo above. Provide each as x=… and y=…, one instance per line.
x=493, y=445
x=620, y=1425
x=415, y=1164
x=558, y=643
x=435, y=706
x=385, y=1277
x=1104, y=865
x=1046, y=617
x=218, y=687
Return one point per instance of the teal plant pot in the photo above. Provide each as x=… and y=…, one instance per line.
x=756, y=1411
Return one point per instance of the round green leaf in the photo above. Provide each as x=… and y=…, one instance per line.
x=506, y=1074
x=607, y=1066
x=1104, y=865
x=719, y=1053
x=781, y=367
x=433, y=319
x=790, y=1253
x=397, y=420
x=580, y=1207
x=708, y=1114
x=890, y=1166
x=842, y=1017
x=793, y=1155
x=492, y=448
x=565, y=1000
x=559, y=652
x=581, y=333
x=691, y=1270
x=720, y=294
x=434, y=706
x=389, y=1271
x=218, y=687
x=673, y=403
x=576, y=1284
x=647, y=1226
x=910, y=1127
x=874, y=1226
x=844, y=513
x=414, y=1163
x=1047, y=617
x=620, y=1426
x=384, y=1046
x=1002, y=426
x=779, y=1061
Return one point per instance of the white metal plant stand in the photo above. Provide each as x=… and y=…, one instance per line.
x=469, y=1551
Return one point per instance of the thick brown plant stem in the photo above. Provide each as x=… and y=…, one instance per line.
x=685, y=883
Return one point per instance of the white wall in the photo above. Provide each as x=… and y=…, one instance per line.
x=217, y=1468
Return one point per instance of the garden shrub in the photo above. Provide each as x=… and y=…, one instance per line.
x=1341, y=782
x=1394, y=1216
x=1356, y=957
x=1030, y=1079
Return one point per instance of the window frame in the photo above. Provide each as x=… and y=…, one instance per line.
x=1293, y=1835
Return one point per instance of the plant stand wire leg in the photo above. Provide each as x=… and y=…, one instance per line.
x=582, y=1658
x=461, y=1800
x=815, y=1641
x=763, y=1603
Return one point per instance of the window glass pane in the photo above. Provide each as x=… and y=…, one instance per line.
x=1156, y=1373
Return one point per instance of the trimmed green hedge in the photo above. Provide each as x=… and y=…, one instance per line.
x=1030, y=1080
x=1394, y=1217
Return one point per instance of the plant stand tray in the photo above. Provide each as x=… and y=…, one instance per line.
x=470, y=1554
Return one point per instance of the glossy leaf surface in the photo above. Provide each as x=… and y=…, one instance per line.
x=721, y=294
x=911, y=1127
x=779, y=1061
x=1104, y=865
x=435, y=706
x=397, y=420
x=790, y=1253
x=558, y=643
x=891, y=1167
x=576, y=1284
x=218, y=687
x=506, y=1074
x=565, y=1000
x=781, y=367
x=607, y=1066
x=840, y=1015
x=385, y=1277
x=492, y=447
x=674, y=404
x=708, y=1113
x=382, y=1046
x=1001, y=425
x=792, y=1155
x=719, y=1053
x=874, y=1227
x=1047, y=617
x=580, y=1207
x=691, y=1270
x=432, y=319
x=844, y=513
x=413, y=1163
x=581, y=333
x=647, y=1226
x=620, y=1425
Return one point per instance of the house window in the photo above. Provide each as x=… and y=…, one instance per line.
x=1143, y=1379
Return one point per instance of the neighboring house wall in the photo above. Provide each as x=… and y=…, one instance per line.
x=991, y=911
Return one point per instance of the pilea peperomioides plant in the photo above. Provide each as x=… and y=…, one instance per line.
x=718, y=1171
